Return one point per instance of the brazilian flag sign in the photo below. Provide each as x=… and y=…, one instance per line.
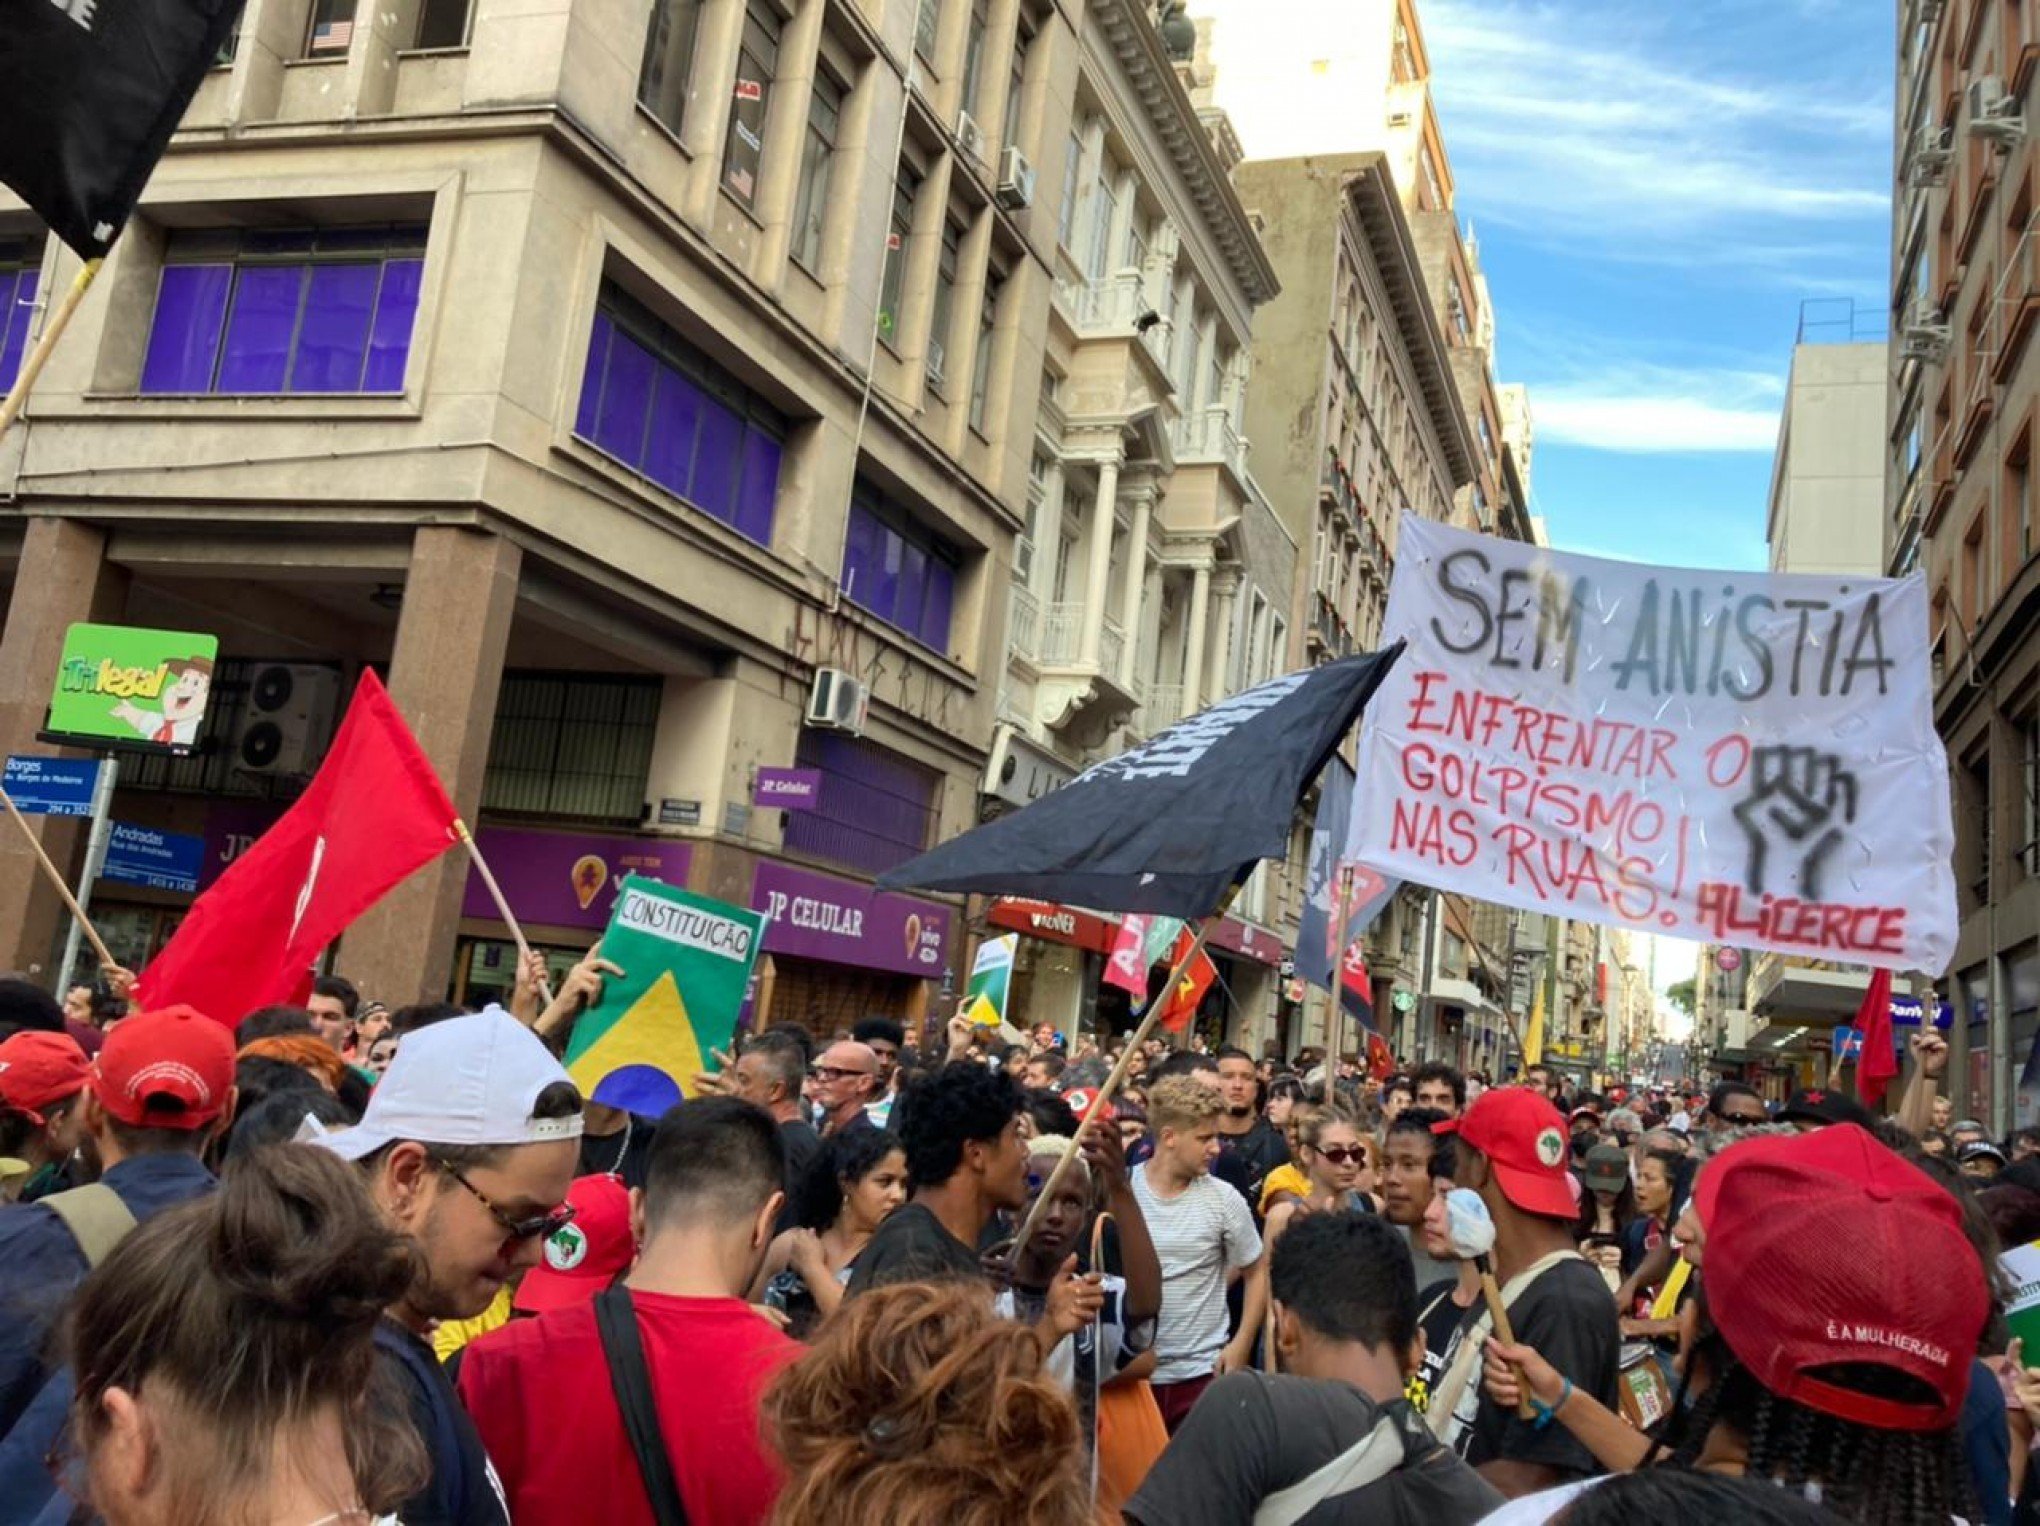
x=686, y=961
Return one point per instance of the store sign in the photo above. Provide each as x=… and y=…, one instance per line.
x=1019, y=772
x=816, y=916
x=1247, y=940
x=787, y=789
x=1056, y=923
x=1905, y=1013
x=231, y=828
x=122, y=685
x=156, y=860
x=52, y=786
x=565, y=880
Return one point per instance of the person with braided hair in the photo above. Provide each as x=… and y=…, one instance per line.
x=1848, y=1300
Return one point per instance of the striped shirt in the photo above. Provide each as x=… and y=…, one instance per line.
x=1200, y=1235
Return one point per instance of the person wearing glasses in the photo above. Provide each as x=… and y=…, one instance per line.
x=845, y=1080
x=1733, y=1105
x=469, y=1146
x=1338, y=1162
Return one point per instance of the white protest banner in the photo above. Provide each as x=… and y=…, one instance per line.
x=1738, y=758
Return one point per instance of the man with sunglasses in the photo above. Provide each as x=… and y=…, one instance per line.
x=845, y=1081
x=469, y=1145
x=1733, y=1105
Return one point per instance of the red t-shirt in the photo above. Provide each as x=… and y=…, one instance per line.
x=540, y=1395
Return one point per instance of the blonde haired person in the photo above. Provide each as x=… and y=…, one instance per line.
x=1339, y=1164
x=1290, y=1180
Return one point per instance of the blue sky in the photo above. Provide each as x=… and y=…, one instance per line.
x=1655, y=190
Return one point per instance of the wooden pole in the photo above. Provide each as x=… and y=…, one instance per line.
x=38, y=357
x=467, y=838
x=1112, y=1083
x=50, y=870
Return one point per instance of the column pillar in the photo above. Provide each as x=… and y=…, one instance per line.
x=1098, y=570
x=63, y=577
x=1228, y=587
x=1193, y=640
x=460, y=595
x=1136, y=578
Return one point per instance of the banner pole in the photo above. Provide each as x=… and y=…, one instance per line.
x=467, y=839
x=95, y=861
x=50, y=871
x=1113, y=1082
x=31, y=368
x=1343, y=909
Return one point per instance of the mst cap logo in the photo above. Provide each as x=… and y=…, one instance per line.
x=1550, y=1147
x=566, y=1249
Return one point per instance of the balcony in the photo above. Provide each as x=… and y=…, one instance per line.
x=1209, y=436
x=1328, y=630
x=1023, y=628
x=1791, y=988
x=1161, y=707
x=1085, y=701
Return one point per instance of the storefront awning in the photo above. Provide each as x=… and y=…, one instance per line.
x=1056, y=923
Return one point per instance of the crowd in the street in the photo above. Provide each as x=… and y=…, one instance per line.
x=341, y=1263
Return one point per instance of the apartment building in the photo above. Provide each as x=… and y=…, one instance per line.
x=649, y=391
x=1826, y=510
x=1964, y=381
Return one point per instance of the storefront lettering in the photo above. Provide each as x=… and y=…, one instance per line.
x=815, y=914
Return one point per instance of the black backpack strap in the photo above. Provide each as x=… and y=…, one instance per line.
x=624, y=1349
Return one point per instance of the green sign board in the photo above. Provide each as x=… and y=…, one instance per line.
x=686, y=961
x=122, y=686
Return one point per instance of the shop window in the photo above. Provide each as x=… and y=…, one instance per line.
x=572, y=745
x=324, y=310
x=666, y=411
x=899, y=570
x=876, y=810
x=20, y=273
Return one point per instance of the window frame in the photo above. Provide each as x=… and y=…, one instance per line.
x=817, y=160
x=888, y=514
x=761, y=38
x=679, y=50
x=308, y=49
x=892, y=280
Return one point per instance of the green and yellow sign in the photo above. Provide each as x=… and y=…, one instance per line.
x=123, y=686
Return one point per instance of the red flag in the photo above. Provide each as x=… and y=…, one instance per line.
x=373, y=813
x=1356, y=985
x=1879, y=1063
x=1180, y=1005
x=1380, y=1058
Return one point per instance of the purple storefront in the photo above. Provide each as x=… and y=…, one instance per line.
x=838, y=950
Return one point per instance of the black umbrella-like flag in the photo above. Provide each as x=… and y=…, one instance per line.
x=1170, y=827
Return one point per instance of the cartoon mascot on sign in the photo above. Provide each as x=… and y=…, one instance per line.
x=184, y=697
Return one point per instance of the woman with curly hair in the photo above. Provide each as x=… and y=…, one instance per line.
x=848, y=1190
x=918, y=1403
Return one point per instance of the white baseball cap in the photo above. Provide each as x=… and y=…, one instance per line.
x=466, y=1081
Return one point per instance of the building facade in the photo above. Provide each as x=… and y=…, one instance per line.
x=1826, y=509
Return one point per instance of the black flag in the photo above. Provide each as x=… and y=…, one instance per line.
x=1173, y=824
x=90, y=91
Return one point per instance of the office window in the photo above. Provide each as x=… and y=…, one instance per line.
x=899, y=570
x=945, y=302
x=981, y=360
x=576, y=746
x=443, y=23
x=314, y=310
x=669, y=60
x=20, y=271
x=329, y=28
x=672, y=415
x=757, y=61
x=875, y=809
x=906, y=190
x=974, y=58
x=1104, y=207
x=926, y=23
x=1066, y=215
x=1010, y=136
x=811, y=200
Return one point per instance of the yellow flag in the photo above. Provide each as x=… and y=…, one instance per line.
x=1533, y=1036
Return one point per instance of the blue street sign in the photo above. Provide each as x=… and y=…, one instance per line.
x=52, y=786
x=157, y=860
x=1848, y=1044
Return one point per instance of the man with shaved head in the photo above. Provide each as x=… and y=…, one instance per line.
x=845, y=1078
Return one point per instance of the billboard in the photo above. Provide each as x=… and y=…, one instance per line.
x=127, y=687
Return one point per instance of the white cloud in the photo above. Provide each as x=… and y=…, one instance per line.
x=1640, y=424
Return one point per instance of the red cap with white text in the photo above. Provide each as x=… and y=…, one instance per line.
x=169, y=1069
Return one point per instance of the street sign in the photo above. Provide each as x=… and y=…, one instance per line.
x=156, y=860
x=1728, y=960
x=52, y=786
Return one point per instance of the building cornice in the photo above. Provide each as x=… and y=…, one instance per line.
x=1152, y=77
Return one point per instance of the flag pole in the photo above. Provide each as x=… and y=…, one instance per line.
x=1114, y=1081
x=467, y=839
x=50, y=870
x=1342, y=908
x=31, y=368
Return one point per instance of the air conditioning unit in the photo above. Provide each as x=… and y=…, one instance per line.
x=935, y=363
x=1931, y=156
x=1925, y=335
x=970, y=137
x=1994, y=115
x=287, y=720
x=1016, y=181
x=838, y=702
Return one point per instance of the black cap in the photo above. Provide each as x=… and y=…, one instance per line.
x=1823, y=1106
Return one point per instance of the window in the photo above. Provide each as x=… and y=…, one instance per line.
x=974, y=57
x=906, y=191
x=1278, y=648
x=945, y=301
x=1104, y=207
x=2029, y=836
x=329, y=28
x=1066, y=216
x=2019, y=495
x=325, y=310
x=1010, y=137
x=675, y=417
x=20, y=272
x=811, y=200
x=578, y=746
x=875, y=809
x=757, y=62
x=981, y=359
x=443, y=24
x=669, y=60
x=1037, y=499
x=926, y=23
x=898, y=570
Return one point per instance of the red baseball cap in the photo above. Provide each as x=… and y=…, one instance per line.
x=584, y=1257
x=170, y=1069
x=1524, y=1136
x=37, y=1068
x=1827, y=1248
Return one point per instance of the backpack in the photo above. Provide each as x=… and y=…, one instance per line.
x=95, y=1215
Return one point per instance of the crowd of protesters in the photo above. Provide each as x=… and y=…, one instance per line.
x=338, y=1264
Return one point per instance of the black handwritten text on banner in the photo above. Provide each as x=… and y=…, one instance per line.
x=1730, y=757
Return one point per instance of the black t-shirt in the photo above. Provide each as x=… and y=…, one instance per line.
x=797, y=1137
x=912, y=1246
x=1256, y=1152
x=463, y=1489
x=1568, y=1316
x=1253, y=1434
x=626, y=1153
x=1438, y=1317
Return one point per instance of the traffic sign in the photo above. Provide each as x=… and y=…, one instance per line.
x=157, y=860
x=52, y=786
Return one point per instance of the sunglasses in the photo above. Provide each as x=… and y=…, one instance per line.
x=1744, y=1120
x=1339, y=1155
x=538, y=1226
